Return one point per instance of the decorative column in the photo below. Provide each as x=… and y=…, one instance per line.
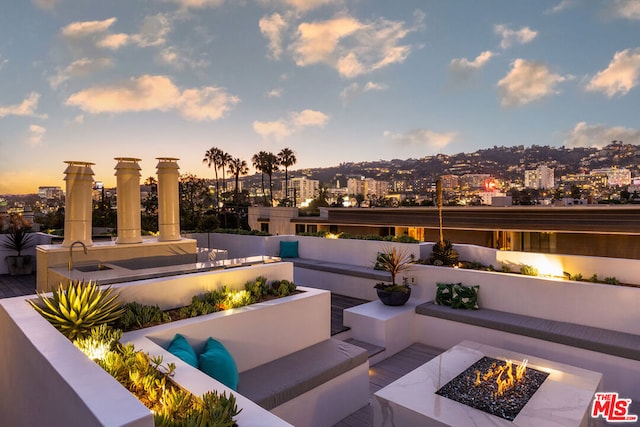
x=78, y=203
x=168, y=200
x=128, y=184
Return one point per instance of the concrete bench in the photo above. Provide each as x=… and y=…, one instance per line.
x=277, y=382
x=600, y=340
x=343, y=269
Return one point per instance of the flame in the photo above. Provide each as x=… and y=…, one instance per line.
x=503, y=375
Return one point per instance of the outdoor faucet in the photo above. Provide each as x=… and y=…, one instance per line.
x=70, y=263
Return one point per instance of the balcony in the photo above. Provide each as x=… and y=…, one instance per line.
x=392, y=355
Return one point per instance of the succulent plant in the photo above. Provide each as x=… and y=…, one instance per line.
x=79, y=307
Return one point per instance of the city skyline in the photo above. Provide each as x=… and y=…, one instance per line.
x=335, y=81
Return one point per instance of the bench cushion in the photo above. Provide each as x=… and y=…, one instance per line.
x=345, y=269
x=606, y=341
x=281, y=380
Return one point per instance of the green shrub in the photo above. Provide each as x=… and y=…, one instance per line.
x=138, y=316
x=594, y=278
x=257, y=288
x=505, y=268
x=283, y=288
x=405, y=239
x=74, y=311
x=577, y=277
x=241, y=231
x=98, y=341
x=528, y=270
x=611, y=281
x=444, y=254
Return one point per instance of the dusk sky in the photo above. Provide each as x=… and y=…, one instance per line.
x=334, y=80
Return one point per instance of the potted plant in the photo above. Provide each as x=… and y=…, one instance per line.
x=393, y=260
x=18, y=238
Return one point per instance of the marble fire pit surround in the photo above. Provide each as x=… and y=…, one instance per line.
x=564, y=399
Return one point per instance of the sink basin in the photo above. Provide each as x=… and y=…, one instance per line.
x=92, y=267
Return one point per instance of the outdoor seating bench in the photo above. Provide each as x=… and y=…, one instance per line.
x=344, y=269
x=605, y=341
x=276, y=382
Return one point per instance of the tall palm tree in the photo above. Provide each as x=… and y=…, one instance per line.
x=439, y=204
x=270, y=167
x=238, y=167
x=286, y=158
x=212, y=157
x=225, y=161
x=258, y=160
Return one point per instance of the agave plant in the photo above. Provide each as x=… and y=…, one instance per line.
x=74, y=311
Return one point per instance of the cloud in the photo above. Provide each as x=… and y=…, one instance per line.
x=46, y=4
x=628, y=9
x=151, y=93
x=79, y=68
x=207, y=103
x=36, y=133
x=272, y=28
x=25, y=108
x=307, y=118
x=527, y=81
x=295, y=122
x=462, y=68
x=350, y=46
x=510, y=37
x=585, y=135
x=195, y=4
x=77, y=30
x=355, y=89
x=426, y=137
x=299, y=5
x=563, y=5
x=153, y=31
x=620, y=76
x=113, y=41
x=277, y=130
x=274, y=93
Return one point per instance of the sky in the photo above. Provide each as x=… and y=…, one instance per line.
x=334, y=80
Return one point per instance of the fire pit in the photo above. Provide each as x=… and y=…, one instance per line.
x=494, y=386
x=563, y=398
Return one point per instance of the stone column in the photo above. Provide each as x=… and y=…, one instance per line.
x=128, y=184
x=78, y=203
x=168, y=199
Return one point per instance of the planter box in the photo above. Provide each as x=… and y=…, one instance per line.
x=41, y=367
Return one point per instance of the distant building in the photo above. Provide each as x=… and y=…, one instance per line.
x=539, y=178
x=50, y=193
x=450, y=182
x=302, y=189
x=615, y=176
x=474, y=181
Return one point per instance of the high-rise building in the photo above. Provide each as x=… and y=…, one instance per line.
x=541, y=177
x=302, y=189
x=615, y=176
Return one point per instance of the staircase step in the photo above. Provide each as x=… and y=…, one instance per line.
x=372, y=349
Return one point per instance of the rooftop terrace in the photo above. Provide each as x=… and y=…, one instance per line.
x=392, y=355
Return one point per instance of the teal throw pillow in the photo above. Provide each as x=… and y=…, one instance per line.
x=465, y=296
x=289, y=249
x=181, y=348
x=217, y=362
x=444, y=292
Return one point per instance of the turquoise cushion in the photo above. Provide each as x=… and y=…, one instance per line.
x=217, y=362
x=289, y=249
x=181, y=348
